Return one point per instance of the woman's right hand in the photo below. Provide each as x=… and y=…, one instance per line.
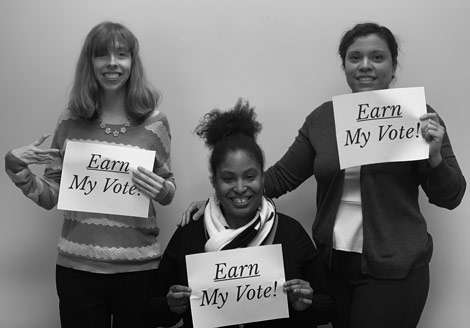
x=194, y=211
x=299, y=293
x=178, y=298
x=32, y=154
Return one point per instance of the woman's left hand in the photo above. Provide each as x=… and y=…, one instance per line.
x=178, y=298
x=149, y=183
x=299, y=293
x=433, y=133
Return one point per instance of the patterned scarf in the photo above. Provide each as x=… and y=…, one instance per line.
x=259, y=230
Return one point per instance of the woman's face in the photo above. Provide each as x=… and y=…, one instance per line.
x=368, y=64
x=113, y=69
x=239, y=185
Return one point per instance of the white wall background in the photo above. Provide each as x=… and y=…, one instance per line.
x=281, y=55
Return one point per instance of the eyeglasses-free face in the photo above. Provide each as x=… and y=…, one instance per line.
x=112, y=70
x=368, y=64
x=239, y=187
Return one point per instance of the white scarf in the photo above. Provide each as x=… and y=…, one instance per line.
x=219, y=233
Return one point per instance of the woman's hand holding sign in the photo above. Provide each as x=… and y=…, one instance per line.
x=433, y=133
x=150, y=184
x=178, y=298
x=299, y=293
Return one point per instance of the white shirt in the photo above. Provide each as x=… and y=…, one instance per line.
x=347, y=232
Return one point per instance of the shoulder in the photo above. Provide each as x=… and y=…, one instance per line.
x=158, y=123
x=287, y=219
x=67, y=115
x=320, y=116
x=193, y=225
x=67, y=121
x=157, y=116
x=287, y=223
x=192, y=231
x=188, y=239
x=295, y=239
x=323, y=109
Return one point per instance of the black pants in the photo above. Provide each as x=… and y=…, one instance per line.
x=366, y=302
x=93, y=300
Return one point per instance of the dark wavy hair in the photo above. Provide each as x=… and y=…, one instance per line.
x=141, y=98
x=365, y=29
x=229, y=131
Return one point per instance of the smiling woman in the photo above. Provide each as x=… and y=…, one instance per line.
x=104, y=259
x=239, y=216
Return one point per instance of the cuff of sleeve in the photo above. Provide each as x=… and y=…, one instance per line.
x=166, y=194
x=13, y=163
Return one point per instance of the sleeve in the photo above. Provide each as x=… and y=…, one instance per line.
x=169, y=271
x=313, y=270
x=294, y=167
x=312, y=267
x=445, y=184
x=162, y=165
x=44, y=191
x=322, y=309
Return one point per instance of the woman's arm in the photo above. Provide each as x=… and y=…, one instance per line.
x=44, y=191
x=161, y=309
x=293, y=168
x=441, y=178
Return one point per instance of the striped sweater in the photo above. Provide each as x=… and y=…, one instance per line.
x=94, y=242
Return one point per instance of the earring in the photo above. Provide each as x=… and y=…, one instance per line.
x=216, y=200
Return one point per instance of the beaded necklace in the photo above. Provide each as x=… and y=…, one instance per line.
x=116, y=132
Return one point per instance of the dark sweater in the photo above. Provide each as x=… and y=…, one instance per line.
x=300, y=261
x=395, y=234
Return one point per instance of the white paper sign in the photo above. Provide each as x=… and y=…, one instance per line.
x=380, y=126
x=98, y=178
x=237, y=286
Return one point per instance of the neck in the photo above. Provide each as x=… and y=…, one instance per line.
x=235, y=223
x=113, y=109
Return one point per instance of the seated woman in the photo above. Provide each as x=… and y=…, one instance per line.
x=239, y=208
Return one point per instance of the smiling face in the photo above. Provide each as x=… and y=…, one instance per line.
x=239, y=184
x=368, y=64
x=112, y=70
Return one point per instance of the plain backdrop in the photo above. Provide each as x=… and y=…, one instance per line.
x=280, y=55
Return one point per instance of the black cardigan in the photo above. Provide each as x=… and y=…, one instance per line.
x=300, y=258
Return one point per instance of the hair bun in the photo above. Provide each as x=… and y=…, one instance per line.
x=216, y=125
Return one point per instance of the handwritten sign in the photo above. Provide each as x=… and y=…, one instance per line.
x=380, y=126
x=237, y=286
x=98, y=178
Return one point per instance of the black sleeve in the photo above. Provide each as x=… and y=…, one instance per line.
x=301, y=260
x=169, y=273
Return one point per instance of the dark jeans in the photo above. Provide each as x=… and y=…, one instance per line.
x=94, y=300
x=365, y=302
